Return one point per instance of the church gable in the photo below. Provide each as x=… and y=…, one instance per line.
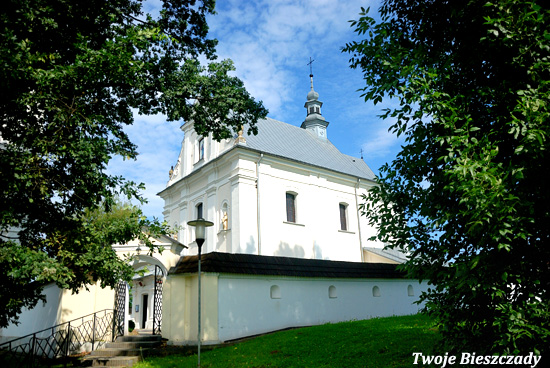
x=196, y=151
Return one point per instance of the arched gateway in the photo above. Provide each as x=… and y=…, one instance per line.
x=139, y=303
x=73, y=323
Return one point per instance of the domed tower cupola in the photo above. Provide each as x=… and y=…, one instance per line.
x=314, y=121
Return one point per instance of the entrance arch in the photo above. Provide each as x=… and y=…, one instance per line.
x=145, y=306
x=150, y=272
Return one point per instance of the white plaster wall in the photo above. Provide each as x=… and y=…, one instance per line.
x=61, y=306
x=180, y=309
x=246, y=308
x=85, y=302
x=245, y=238
x=210, y=186
x=317, y=232
x=233, y=178
x=223, y=237
x=43, y=316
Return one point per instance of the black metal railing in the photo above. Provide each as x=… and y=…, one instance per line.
x=57, y=343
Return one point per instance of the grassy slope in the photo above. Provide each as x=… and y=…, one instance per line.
x=381, y=342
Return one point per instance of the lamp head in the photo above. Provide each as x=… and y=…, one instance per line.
x=200, y=229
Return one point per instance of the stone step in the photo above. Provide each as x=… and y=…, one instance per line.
x=121, y=361
x=124, y=352
x=139, y=338
x=109, y=352
x=132, y=344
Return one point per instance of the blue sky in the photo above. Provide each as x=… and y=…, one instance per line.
x=270, y=43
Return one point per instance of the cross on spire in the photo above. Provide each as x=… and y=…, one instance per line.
x=315, y=122
x=310, y=66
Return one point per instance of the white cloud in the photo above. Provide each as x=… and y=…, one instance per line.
x=270, y=43
x=158, y=144
x=381, y=142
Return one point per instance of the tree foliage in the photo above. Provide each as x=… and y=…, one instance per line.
x=72, y=73
x=467, y=195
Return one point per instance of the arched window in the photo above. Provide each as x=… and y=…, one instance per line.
x=275, y=292
x=376, y=291
x=343, y=216
x=332, y=292
x=410, y=290
x=290, y=207
x=201, y=149
x=199, y=210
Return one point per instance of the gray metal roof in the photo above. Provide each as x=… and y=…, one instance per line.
x=291, y=142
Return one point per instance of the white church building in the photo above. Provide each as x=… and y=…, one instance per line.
x=288, y=246
x=287, y=191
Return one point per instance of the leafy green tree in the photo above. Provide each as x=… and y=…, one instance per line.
x=468, y=194
x=71, y=74
x=101, y=229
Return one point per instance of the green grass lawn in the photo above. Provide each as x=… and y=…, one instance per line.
x=380, y=342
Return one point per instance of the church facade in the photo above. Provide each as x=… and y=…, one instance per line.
x=286, y=192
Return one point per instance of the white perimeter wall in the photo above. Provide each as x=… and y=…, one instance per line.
x=42, y=316
x=61, y=306
x=246, y=307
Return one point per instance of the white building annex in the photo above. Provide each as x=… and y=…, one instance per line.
x=63, y=306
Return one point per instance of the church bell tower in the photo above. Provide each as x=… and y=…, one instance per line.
x=314, y=122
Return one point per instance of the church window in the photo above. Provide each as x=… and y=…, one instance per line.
x=275, y=292
x=410, y=290
x=290, y=207
x=343, y=216
x=311, y=110
x=376, y=291
x=199, y=211
x=201, y=148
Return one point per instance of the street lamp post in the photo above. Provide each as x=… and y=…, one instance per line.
x=200, y=234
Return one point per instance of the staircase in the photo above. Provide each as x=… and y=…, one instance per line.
x=124, y=352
